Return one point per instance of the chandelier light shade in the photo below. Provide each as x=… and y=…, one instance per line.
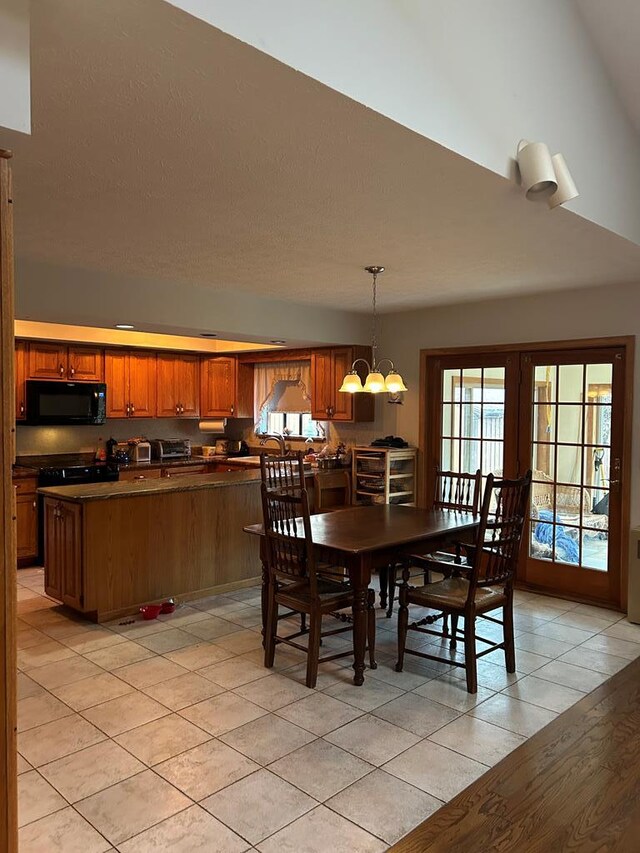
x=543, y=177
x=376, y=382
x=566, y=185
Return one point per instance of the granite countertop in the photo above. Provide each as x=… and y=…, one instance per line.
x=170, y=463
x=129, y=488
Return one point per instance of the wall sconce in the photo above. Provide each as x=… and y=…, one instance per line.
x=544, y=177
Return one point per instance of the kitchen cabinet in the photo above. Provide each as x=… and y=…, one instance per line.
x=187, y=471
x=47, y=360
x=20, y=378
x=178, y=390
x=226, y=388
x=131, y=383
x=328, y=368
x=26, y=520
x=63, y=552
x=137, y=474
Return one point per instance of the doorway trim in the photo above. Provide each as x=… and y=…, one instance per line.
x=626, y=342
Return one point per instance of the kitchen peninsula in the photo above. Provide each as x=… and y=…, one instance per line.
x=111, y=547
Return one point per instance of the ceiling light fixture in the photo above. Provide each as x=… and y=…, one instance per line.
x=375, y=382
x=544, y=177
x=125, y=326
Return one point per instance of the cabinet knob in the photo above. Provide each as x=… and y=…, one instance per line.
x=22, y=408
x=140, y=477
x=72, y=371
x=232, y=408
x=35, y=504
x=132, y=409
x=61, y=369
x=128, y=410
x=177, y=408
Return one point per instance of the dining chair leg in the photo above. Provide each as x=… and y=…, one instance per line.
x=383, y=574
x=470, y=662
x=271, y=627
x=313, y=649
x=371, y=628
x=303, y=622
x=454, y=630
x=403, y=622
x=509, y=642
x=393, y=569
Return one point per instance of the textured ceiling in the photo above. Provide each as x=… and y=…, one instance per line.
x=164, y=148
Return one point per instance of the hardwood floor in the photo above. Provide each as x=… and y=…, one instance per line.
x=574, y=786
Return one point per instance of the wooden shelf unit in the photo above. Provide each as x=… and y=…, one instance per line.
x=384, y=475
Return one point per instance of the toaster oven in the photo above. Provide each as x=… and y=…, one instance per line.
x=170, y=448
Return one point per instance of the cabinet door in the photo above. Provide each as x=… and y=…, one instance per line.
x=341, y=404
x=86, y=363
x=167, y=399
x=187, y=471
x=138, y=475
x=70, y=548
x=218, y=387
x=46, y=361
x=52, y=559
x=321, y=385
x=142, y=384
x=21, y=375
x=187, y=372
x=116, y=375
x=27, y=526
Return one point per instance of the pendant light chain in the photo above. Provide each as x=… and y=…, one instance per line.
x=374, y=322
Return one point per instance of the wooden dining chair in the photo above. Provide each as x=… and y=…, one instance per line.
x=477, y=586
x=453, y=491
x=293, y=582
x=283, y=473
x=332, y=490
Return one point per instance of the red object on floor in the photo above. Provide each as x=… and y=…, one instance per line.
x=150, y=611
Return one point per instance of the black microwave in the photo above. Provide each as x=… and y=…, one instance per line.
x=55, y=402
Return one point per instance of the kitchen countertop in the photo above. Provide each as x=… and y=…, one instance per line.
x=130, y=488
x=169, y=463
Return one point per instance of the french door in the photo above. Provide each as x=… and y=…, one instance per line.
x=561, y=413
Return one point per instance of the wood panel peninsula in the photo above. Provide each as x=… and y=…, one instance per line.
x=111, y=547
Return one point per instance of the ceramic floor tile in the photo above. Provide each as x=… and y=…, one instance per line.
x=168, y=641
x=130, y=807
x=64, y=831
x=36, y=798
x=222, y=713
x=235, y=672
x=321, y=830
x=594, y=624
x=411, y=677
x=118, y=656
x=565, y=633
x=416, y=714
x=91, y=770
x=135, y=629
x=612, y=646
x=37, y=710
x=273, y=692
x=513, y=714
x=319, y=713
x=162, y=739
x=64, y=672
x=199, y=656
x=320, y=769
x=220, y=605
x=211, y=629
x=568, y=675
x=183, y=615
x=43, y=653
x=436, y=770
x=247, y=617
x=91, y=691
x=30, y=637
x=372, y=739
x=190, y=831
x=27, y=687
x=126, y=712
x=23, y=765
x=274, y=804
x=329, y=673
x=599, y=612
x=268, y=738
x=188, y=689
x=540, y=644
x=92, y=640
x=545, y=694
x=147, y=672
x=452, y=692
x=54, y=740
x=384, y=805
x=491, y=675
x=241, y=641
x=624, y=630
x=477, y=739
x=202, y=771
x=368, y=696
x=595, y=661
x=526, y=662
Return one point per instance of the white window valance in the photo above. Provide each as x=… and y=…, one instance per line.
x=281, y=386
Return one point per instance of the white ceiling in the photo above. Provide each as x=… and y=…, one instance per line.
x=164, y=148
x=614, y=26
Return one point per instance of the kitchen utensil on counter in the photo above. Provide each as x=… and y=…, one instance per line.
x=140, y=450
x=170, y=448
x=208, y=450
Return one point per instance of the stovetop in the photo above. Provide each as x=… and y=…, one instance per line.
x=58, y=460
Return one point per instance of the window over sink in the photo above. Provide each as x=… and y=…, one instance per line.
x=282, y=399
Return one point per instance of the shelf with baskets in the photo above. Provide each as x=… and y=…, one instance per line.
x=384, y=475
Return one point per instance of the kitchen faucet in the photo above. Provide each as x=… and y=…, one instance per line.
x=275, y=436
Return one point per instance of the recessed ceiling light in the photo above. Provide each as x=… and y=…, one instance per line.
x=208, y=335
x=278, y=342
x=124, y=326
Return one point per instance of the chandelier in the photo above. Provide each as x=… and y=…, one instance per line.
x=376, y=382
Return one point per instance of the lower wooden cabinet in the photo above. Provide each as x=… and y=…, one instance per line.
x=63, y=552
x=187, y=471
x=26, y=520
x=137, y=474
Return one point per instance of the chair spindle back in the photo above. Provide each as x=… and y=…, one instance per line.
x=283, y=474
x=455, y=491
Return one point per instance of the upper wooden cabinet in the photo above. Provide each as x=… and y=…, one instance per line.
x=178, y=388
x=59, y=361
x=226, y=388
x=131, y=383
x=21, y=375
x=328, y=368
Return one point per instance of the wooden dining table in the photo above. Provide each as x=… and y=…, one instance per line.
x=364, y=538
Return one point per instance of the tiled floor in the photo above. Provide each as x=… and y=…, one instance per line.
x=171, y=735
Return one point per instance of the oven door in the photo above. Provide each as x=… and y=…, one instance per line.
x=53, y=402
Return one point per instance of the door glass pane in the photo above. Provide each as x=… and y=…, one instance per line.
x=450, y=382
x=566, y=546
x=544, y=383
x=570, y=424
x=598, y=375
x=544, y=422
x=470, y=461
x=470, y=420
x=570, y=383
x=449, y=455
x=492, y=457
x=543, y=461
x=569, y=468
x=595, y=549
